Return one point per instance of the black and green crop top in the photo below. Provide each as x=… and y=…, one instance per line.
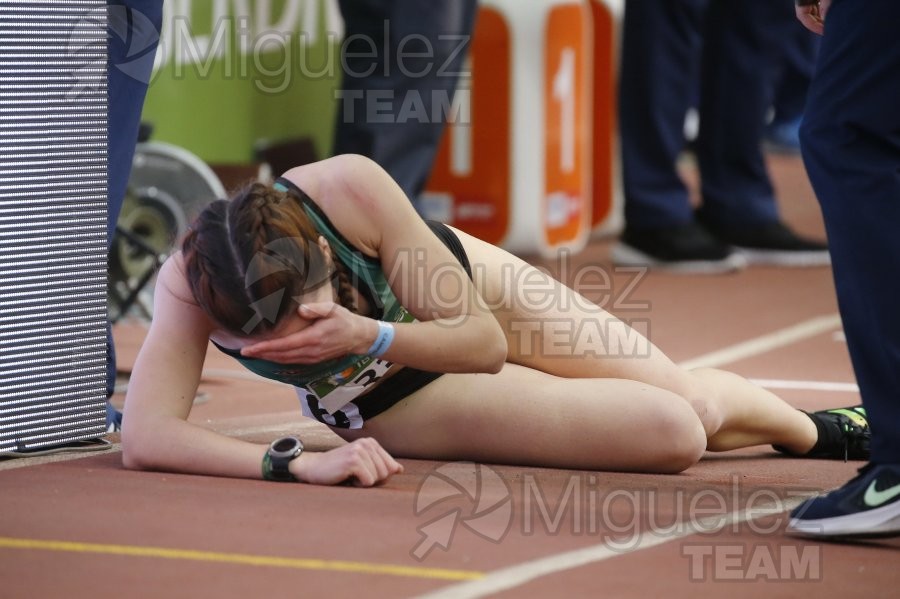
x=335, y=383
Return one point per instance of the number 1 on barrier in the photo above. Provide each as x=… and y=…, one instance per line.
x=470, y=183
x=567, y=199
x=564, y=94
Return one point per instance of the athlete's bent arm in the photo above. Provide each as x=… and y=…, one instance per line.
x=455, y=332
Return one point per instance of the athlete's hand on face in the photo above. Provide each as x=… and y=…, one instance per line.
x=813, y=16
x=363, y=463
x=333, y=331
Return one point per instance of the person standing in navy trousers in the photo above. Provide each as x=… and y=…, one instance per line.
x=134, y=27
x=850, y=140
x=433, y=38
x=731, y=50
x=798, y=61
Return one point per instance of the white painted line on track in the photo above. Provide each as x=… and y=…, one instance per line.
x=765, y=343
x=807, y=385
x=515, y=576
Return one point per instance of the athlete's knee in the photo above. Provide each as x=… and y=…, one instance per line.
x=685, y=449
x=683, y=440
x=702, y=395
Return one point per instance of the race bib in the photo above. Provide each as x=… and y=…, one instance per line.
x=336, y=391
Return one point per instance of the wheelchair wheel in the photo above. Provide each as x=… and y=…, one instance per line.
x=168, y=187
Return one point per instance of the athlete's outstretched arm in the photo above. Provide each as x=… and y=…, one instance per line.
x=156, y=434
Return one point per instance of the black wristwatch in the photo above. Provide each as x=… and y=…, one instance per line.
x=279, y=456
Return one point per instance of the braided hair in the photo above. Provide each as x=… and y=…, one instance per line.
x=249, y=260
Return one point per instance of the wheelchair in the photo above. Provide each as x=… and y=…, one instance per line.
x=167, y=188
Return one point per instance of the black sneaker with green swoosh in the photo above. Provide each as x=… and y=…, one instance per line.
x=867, y=506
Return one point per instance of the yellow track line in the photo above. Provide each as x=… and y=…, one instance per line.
x=240, y=558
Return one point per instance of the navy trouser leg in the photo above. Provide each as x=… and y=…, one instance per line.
x=740, y=58
x=851, y=146
x=660, y=53
x=799, y=51
x=134, y=34
x=403, y=139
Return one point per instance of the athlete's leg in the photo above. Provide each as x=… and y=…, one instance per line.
x=552, y=328
x=525, y=416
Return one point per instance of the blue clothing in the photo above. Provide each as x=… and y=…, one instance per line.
x=851, y=147
x=733, y=47
x=404, y=145
x=800, y=48
x=134, y=35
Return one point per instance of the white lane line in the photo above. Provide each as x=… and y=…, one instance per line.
x=807, y=385
x=765, y=343
x=514, y=576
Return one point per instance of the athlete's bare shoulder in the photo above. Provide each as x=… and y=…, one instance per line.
x=356, y=194
x=172, y=279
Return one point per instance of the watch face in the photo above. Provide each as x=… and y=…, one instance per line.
x=285, y=447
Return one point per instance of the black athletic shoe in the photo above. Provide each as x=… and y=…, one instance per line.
x=867, y=506
x=686, y=248
x=772, y=244
x=843, y=435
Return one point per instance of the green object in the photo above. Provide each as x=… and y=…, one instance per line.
x=336, y=382
x=226, y=80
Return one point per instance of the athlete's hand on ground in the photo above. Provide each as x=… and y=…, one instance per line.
x=813, y=16
x=333, y=332
x=363, y=462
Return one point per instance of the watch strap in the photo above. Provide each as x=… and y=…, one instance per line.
x=277, y=468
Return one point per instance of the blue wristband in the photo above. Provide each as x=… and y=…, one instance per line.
x=383, y=341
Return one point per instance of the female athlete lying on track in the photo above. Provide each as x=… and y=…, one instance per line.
x=329, y=281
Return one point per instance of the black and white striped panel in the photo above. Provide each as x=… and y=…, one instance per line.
x=53, y=123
